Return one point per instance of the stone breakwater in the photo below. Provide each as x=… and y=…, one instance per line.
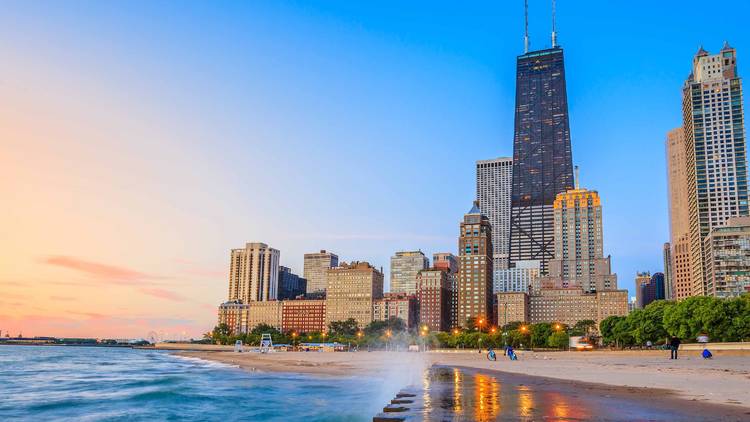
x=407, y=405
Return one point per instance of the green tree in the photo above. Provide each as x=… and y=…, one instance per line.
x=264, y=329
x=540, y=333
x=607, y=328
x=558, y=340
x=344, y=328
x=583, y=327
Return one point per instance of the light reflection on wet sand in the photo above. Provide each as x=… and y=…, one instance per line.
x=459, y=394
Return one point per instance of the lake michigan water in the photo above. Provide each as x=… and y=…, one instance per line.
x=98, y=383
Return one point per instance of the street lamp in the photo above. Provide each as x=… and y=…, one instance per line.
x=387, y=344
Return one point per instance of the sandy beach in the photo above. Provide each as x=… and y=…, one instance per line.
x=723, y=380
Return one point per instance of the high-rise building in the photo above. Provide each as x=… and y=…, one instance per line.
x=254, y=273
x=653, y=290
x=512, y=307
x=268, y=313
x=715, y=151
x=667, y=257
x=449, y=262
x=579, y=247
x=640, y=280
x=727, y=258
x=434, y=297
x=396, y=305
x=405, y=266
x=542, y=157
x=494, y=182
x=475, y=273
x=316, y=267
x=520, y=278
x=290, y=285
x=351, y=292
x=679, y=218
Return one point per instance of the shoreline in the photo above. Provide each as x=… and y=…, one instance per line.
x=722, y=381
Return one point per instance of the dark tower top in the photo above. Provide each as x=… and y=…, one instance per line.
x=542, y=158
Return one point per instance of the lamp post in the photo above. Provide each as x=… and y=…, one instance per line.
x=388, y=341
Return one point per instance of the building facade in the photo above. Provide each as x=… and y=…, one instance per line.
x=405, y=266
x=494, y=183
x=303, y=316
x=542, y=156
x=520, y=278
x=315, y=270
x=290, y=285
x=234, y=314
x=653, y=290
x=667, y=257
x=475, y=272
x=449, y=262
x=396, y=305
x=679, y=217
x=264, y=313
x=254, y=273
x=579, y=247
x=727, y=258
x=641, y=279
x=434, y=295
x=566, y=306
x=512, y=307
x=716, y=161
x=351, y=292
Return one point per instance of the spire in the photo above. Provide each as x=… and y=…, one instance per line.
x=526, y=26
x=726, y=46
x=701, y=52
x=554, y=34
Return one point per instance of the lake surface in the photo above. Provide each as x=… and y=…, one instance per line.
x=98, y=383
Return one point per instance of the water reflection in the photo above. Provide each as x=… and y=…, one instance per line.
x=458, y=395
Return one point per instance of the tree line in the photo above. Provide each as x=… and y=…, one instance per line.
x=722, y=320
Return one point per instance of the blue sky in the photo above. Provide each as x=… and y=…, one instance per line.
x=155, y=134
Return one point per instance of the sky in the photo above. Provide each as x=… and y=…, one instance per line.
x=141, y=141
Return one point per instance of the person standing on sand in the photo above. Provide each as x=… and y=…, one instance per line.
x=674, y=344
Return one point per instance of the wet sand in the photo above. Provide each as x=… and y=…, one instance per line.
x=690, y=380
x=467, y=394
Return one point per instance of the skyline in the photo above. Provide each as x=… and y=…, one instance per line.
x=160, y=150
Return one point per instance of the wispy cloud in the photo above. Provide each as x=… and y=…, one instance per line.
x=163, y=294
x=369, y=236
x=102, y=272
x=62, y=298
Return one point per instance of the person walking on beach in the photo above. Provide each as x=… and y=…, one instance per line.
x=674, y=344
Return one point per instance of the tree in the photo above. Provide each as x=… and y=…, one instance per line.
x=583, y=327
x=607, y=328
x=344, y=328
x=264, y=329
x=558, y=340
x=540, y=333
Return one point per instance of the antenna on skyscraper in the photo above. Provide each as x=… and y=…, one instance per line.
x=554, y=34
x=526, y=26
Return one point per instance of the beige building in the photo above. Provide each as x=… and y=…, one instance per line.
x=715, y=151
x=727, y=259
x=579, y=246
x=512, y=307
x=566, y=306
x=351, y=292
x=396, y=305
x=405, y=266
x=254, y=273
x=679, y=218
x=316, y=266
x=264, y=313
x=475, y=271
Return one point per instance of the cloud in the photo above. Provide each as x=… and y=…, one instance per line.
x=163, y=294
x=102, y=272
x=62, y=298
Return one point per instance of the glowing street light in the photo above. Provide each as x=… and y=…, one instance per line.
x=455, y=331
x=524, y=328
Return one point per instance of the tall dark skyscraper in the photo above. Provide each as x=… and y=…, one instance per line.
x=542, y=158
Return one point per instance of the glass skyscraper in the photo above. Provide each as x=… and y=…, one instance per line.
x=542, y=157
